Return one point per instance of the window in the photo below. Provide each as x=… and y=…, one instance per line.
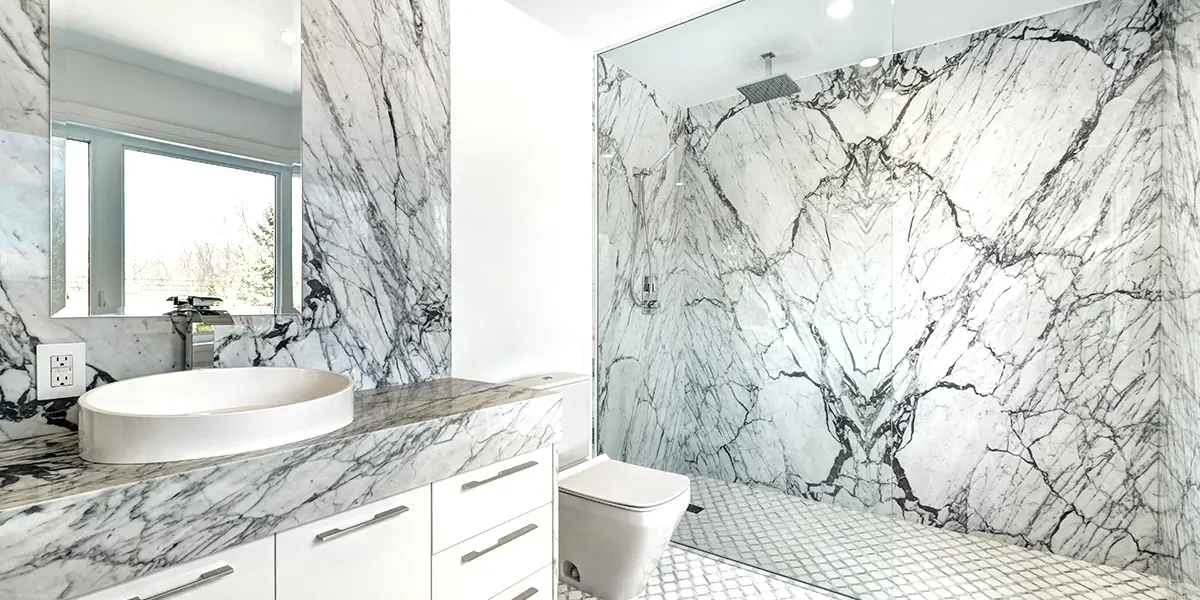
x=199, y=228
x=145, y=220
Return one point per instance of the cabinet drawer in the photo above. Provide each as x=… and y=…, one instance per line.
x=378, y=551
x=493, y=561
x=539, y=586
x=484, y=498
x=246, y=572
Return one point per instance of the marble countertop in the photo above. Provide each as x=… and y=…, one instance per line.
x=69, y=527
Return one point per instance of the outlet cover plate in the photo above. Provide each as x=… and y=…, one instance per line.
x=78, y=363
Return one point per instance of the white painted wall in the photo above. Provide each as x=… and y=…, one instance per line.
x=521, y=209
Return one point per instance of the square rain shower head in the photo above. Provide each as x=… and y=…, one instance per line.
x=769, y=89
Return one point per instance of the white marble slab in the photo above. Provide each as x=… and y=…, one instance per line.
x=376, y=208
x=942, y=307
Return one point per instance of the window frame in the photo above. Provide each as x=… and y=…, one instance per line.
x=106, y=189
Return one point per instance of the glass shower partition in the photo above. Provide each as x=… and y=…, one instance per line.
x=747, y=264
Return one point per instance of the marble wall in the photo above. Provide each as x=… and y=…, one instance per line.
x=942, y=306
x=1181, y=288
x=376, y=208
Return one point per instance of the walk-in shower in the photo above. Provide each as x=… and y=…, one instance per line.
x=926, y=321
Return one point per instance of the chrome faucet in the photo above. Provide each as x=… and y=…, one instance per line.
x=193, y=319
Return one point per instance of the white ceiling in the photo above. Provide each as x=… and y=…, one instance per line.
x=600, y=24
x=707, y=58
x=233, y=45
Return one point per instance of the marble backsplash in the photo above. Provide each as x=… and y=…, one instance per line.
x=942, y=306
x=376, y=271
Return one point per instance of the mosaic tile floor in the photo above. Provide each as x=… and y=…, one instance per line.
x=687, y=575
x=873, y=557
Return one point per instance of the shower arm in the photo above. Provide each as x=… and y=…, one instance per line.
x=657, y=165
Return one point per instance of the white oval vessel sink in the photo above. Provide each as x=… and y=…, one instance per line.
x=210, y=412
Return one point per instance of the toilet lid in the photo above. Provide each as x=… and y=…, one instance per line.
x=622, y=484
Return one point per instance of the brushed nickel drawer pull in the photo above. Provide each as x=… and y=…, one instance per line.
x=527, y=594
x=336, y=533
x=470, y=485
x=206, y=577
x=470, y=556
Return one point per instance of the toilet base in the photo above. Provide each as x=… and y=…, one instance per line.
x=611, y=552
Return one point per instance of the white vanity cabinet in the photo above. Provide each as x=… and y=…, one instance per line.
x=484, y=535
x=246, y=572
x=378, y=551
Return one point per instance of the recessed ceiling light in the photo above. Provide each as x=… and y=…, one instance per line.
x=678, y=184
x=839, y=9
x=869, y=62
x=888, y=95
x=288, y=37
x=606, y=156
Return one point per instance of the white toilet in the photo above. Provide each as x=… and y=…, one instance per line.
x=615, y=519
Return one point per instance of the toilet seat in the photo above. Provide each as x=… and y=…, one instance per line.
x=622, y=485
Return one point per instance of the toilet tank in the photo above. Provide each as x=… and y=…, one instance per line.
x=577, y=396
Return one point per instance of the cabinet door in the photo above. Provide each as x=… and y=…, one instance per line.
x=477, y=501
x=246, y=572
x=495, y=560
x=378, y=551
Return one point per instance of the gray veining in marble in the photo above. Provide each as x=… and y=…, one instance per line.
x=68, y=527
x=942, y=307
x=376, y=208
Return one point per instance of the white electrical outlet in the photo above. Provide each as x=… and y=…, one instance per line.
x=61, y=370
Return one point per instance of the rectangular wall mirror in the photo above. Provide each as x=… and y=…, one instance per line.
x=175, y=155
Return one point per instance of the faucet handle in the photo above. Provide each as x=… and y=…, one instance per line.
x=194, y=301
